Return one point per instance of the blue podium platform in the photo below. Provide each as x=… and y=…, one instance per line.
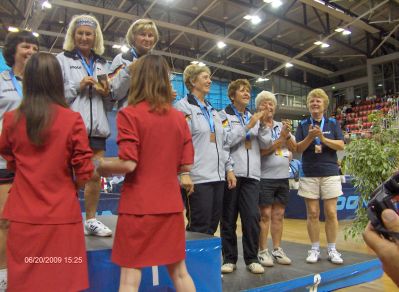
x=204, y=262
x=301, y=276
x=203, y=259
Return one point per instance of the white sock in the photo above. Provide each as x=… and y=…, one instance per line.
x=316, y=245
x=3, y=274
x=331, y=246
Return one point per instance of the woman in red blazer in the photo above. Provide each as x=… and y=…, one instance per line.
x=46, y=144
x=154, y=148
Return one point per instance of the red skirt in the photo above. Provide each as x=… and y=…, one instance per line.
x=46, y=258
x=149, y=240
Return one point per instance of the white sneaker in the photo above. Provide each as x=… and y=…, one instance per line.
x=228, y=268
x=265, y=258
x=96, y=228
x=256, y=268
x=335, y=257
x=313, y=256
x=281, y=257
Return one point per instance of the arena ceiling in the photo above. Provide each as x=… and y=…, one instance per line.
x=191, y=29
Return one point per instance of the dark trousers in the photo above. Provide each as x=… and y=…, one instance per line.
x=204, y=207
x=243, y=199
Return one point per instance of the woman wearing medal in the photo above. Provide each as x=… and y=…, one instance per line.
x=204, y=201
x=245, y=137
x=18, y=48
x=83, y=67
x=274, y=184
x=142, y=36
x=319, y=138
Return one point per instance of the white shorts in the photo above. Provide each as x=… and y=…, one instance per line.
x=328, y=187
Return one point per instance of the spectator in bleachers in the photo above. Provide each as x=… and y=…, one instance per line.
x=274, y=184
x=142, y=36
x=319, y=138
x=82, y=64
x=245, y=138
x=18, y=48
x=211, y=164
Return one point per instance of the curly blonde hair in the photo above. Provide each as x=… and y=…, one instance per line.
x=69, y=43
x=319, y=93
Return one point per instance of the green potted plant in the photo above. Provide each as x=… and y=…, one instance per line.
x=370, y=162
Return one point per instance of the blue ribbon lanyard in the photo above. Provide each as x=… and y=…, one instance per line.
x=243, y=120
x=317, y=139
x=134, y=53
x=16, y=84
x=89, y=67
x=207, y=112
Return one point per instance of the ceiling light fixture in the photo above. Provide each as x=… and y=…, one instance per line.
x=116, y=46
x=46, y=5
x=288, y=65
x=343, y=31
x=13, y=29
x=199, y=63
x=35, y=34
x=220, y=44
x=262, y=79
x=346, y=32
x=124, y=48
x=253, y=18
x=274, y=3
x=324, y=45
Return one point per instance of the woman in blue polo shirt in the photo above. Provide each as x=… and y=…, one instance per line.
x=319, y=138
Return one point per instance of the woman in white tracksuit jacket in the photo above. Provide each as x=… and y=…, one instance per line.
x=82, y=64
x=211, y=159
x=142, y=36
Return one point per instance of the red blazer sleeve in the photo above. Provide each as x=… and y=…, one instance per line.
x=188, y=148
x=5, y=142
x=81, y=152
x=128, y=138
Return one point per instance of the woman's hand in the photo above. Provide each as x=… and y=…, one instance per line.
x=186, y=183
x=386, y=250
x=87, y=81
x=231, y=180
x=254, y=119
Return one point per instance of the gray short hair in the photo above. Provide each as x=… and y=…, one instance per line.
x=265, y=96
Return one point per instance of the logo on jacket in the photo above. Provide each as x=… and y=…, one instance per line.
x=75, y=67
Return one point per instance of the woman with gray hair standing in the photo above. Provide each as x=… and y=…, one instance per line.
x=87, y=91
x=142, y=36
x=274, y=187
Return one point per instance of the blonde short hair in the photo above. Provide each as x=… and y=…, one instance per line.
x=265, y=96
x=235, y=85
x=319, y=93
x=69, y=43
x=191, y=73
x=138, y=26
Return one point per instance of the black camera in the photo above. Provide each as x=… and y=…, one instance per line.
x=386, y=196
